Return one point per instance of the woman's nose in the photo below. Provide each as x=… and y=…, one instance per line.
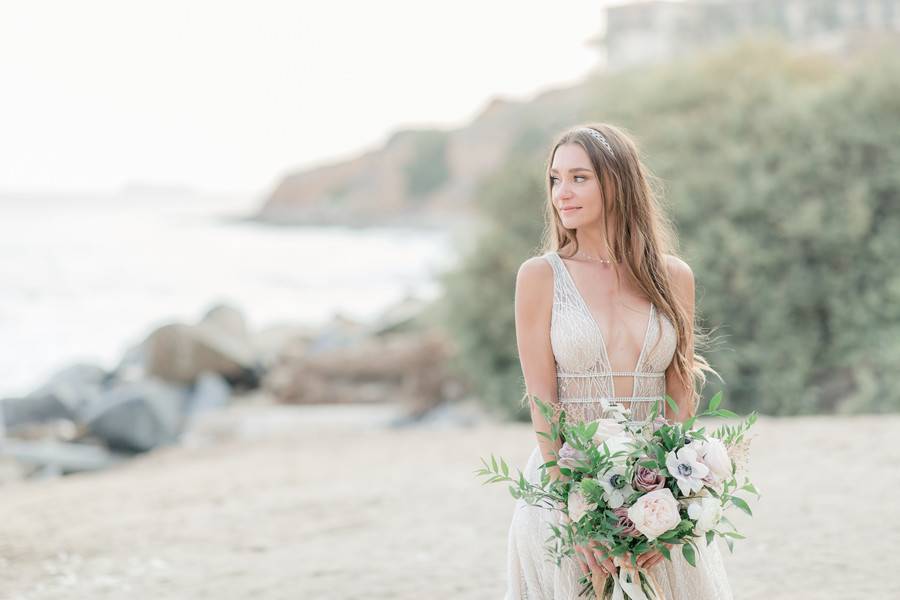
x=563, y=191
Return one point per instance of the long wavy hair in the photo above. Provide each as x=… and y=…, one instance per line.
x=641, y=238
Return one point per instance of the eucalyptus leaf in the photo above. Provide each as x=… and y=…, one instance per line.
x=688, y=551
x=741, y=504
x=672, y=404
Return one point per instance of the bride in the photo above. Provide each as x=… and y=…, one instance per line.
x=606, y=312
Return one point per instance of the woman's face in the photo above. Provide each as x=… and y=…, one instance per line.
x=574, y=187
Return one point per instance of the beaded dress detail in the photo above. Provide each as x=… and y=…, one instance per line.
x=584, y=377
x=583, y=369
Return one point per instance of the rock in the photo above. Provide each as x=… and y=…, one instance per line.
x=65, y=396
x=210, y=392
x=51, y=457
x=57, y=429
x=139, y=416
x=132, y=365
x=179, y=353
x=22, y=412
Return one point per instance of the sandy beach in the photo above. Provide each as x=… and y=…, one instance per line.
x=283, y=502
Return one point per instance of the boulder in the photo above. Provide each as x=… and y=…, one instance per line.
x=139, y=416
x=18, y=413
x=210, y=392
x=219, y=343
x=66, y=395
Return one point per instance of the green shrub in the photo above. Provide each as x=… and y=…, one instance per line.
x=782, y=172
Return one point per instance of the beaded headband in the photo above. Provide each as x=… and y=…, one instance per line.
x=599, y=137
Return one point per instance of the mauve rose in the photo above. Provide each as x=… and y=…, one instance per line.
x=627, y=525
x=569, y=457
x=647, y=480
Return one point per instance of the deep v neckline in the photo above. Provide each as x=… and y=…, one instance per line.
x=605, y=353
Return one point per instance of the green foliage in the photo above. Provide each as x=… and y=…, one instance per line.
x=782, y=174
x=596, y=520
x=478, y=304
x=428, y=169
x=786, y=196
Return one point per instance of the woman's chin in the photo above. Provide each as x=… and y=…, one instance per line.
x=571, y=222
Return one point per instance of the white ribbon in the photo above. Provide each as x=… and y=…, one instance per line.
x=627, y=585
x=625, y=588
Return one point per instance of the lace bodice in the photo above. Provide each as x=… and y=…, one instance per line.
x=583, y=370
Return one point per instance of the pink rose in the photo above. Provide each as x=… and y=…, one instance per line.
x=655, y=513
x=647, y=480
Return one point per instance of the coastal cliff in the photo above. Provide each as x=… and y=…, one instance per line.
x=424, y=177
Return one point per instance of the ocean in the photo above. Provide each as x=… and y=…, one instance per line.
x=86, y=277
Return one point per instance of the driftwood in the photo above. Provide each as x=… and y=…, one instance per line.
x=405, y=367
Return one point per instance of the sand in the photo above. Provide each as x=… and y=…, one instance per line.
x=327, y=502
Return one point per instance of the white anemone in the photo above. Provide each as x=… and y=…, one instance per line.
x=687, y=470
x=616, y=486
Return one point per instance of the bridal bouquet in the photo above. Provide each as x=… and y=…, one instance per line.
x=633, y=487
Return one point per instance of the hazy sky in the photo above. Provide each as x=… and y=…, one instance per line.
x=227, y=96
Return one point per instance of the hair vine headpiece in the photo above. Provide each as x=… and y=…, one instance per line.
x=599, y=137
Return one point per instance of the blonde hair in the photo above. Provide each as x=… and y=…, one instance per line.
x=642, y=238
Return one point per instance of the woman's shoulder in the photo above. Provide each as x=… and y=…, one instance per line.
x=536, y=269
x=678, y=268
x=535, y=276
x=681, y=275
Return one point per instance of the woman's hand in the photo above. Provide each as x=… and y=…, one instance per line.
x=650, y=559
x=588, y=564
x=596, y=559
x=592, y=563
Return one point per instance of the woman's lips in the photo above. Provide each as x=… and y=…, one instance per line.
x=570, y=208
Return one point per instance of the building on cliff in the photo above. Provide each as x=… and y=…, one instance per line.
x=657, y=30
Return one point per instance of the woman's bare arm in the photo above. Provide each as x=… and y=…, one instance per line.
x=683, y=285
x=533, y=306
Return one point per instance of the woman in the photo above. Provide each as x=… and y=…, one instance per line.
x=607, y=311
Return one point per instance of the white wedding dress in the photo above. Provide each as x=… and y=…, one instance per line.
x=584, y=376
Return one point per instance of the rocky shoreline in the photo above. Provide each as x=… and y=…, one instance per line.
x=85, y=418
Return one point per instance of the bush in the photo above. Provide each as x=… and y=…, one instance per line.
x=783, y=177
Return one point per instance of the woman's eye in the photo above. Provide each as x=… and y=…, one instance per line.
x=553, y=180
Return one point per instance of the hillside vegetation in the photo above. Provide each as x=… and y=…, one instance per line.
x=782, y=173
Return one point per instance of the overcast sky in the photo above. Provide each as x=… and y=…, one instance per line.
x=227, y=96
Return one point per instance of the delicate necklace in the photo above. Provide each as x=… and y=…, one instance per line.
x=596, y=258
